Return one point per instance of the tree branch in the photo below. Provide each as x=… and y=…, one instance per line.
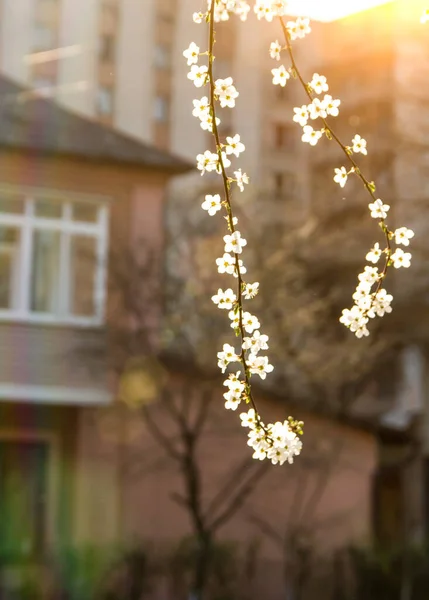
x=160, y=437
x=240, y=497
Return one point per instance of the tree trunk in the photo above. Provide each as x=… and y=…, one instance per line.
x=202, y=567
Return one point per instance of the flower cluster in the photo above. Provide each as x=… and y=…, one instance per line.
x=279, y=442
x=371, y=300
x=286, y=443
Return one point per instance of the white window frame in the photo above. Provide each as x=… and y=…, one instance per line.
x=27, y=222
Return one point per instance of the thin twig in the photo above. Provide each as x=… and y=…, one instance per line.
x=240, y=497
x=160, y=437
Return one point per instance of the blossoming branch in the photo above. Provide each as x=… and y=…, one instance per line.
x=370, y=298
x=278, y=442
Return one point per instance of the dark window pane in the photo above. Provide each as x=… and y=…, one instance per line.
x=48, y=209
x=9, y=266
x=12, y=204
x=84, y=212
x=83, y=266
x=23, y=498
x=45, y=271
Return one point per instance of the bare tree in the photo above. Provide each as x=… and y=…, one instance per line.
x=178, y=408
x=189, y=410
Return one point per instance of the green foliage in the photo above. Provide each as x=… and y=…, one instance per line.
x=80, y=569
x=384, y=573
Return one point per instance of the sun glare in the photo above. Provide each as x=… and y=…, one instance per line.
x=329, y=10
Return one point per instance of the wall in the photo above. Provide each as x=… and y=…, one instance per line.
x=326, y=493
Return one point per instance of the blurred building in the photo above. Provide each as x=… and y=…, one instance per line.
x=70, y=186
x=376, y=62
x=74, y=470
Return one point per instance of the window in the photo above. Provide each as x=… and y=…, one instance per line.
x=109, y=12
x=161, y=108
x=23, y=498
x=44, y=86
x=284, y=138
x=51, y=259
x=107, y=47
x=285, y=185
x=44, y=37
x=162, y=56
x=104, y=100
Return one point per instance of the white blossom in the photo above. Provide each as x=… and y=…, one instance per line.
x=403, y=235
x=374, y=254
x=232, y=378
x=257, y=439
x=361, y=331
x=311, y=136
x=201, y=108
x=382, y=303
x=268, y=9
x=355, y=319
x=250, y=322
x=234, y=242
x=233, y=395
x=212, y=204
x=225, y=91
x=226, y=357
x=234, y=145
x=225, y=299
x=331, y=105
x=301, y=115
x=341, y=176
x=362, y=297
x=257, y=342
x=227, y=264
x=248, y=419
x=359, y=145
x=319, y=84
x=401, y=259
x=275, y=49
x=250, y=290
x=207, y=161
x=259, y=365
x=280, y=76
x=317, y=109
x=378, y=209
x=234, y=220
x=241, y=179
x=369, y=275
x=299, y=28
x=192, y=53
x=198, y=75
x=198, y=17
x=207, y=123
x=234, y=317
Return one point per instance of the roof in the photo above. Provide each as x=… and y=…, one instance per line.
x=37, y=124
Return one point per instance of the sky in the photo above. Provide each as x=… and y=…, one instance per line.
x=328, y=10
